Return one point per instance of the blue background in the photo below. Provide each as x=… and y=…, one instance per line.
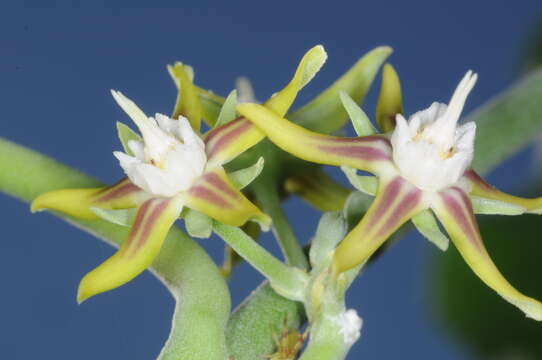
x=58, y=61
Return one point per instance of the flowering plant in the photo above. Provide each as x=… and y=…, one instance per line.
x=235, y=173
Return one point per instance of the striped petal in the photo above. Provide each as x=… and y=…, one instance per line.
x=482, y=189
x=396, y=202
x=454, y=210
x=153, y=220
x=78, y=202
x=370, y=153
x=226, y=142
x=309, y=65
x=214, y=195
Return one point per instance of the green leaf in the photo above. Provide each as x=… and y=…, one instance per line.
x=122, y=217
x=495, y=207
x=364, y=183
x=325, y=113
x=427, y=225
x=355, y=207
x=126, y=134
x=198, y=224
x=508, y=122
x=243, y=177
x=360, y=120
x=227, y=112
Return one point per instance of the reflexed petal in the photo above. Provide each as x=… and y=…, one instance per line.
x=325, y=113
x=365, y=153
x=319, y=190
x=214, y=195
x=482, y=189
x=226, y=142
x=188, y=103
x=396, y=202
x=153, y=221
x=309, y=65
x=454, y=210
x=78, y=202
x=390, y=101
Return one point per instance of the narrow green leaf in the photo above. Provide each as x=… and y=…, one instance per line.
x=331, y=229
x=227, y=112
x=508, y=122
x=360, y=120
x=495, y=207
x=244, y=177
x=427, y=225
x=198, y=224
x=126, y=134
x=123, y=217
x=325, y=113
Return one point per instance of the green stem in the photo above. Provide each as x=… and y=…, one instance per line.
x=286, y=280
x=270, y=201
x=203, y=300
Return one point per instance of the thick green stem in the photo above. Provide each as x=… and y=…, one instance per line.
x=270, y=201
x=286, y=280
x=202, y=297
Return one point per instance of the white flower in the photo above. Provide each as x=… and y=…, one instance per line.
x=170, y=157
x=431, y=150
x=350, y=323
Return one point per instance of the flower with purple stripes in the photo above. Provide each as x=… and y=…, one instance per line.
x=422, y=169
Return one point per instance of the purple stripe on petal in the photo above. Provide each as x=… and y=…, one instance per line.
x=463, y=217
x=357, y=151
x=221, y=137
x=150, y=221
x=136, y=227
x=215, y=181
x=390, y=193
x=477, y=179
x=121, y=191
x=208, y=195
x=406, y=204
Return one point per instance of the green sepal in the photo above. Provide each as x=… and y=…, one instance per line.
x=365, y=183
x=495, y=207
x=210, y=105
x=355, y=207
x=360, y=120
x=243, y=177
x=198, y=224
x=427, y=225
x=126, y=134
x=122, y=217
x=331, y=229
x=227, y=112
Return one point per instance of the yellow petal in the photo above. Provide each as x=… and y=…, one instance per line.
x=188, y=103
x=153, y=221
x=319, y=190
x=454, y=210
x=390, y=100
x=214, y=195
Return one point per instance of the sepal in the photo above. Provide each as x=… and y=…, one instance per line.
x=227, y=111
x=486, y=206
x=454, y=210
x=360, y=121
x=122, y=217
x=364, y=183
x=214, y=195
x=152, y=223
x=243, y=177
x=198, y=224
x=427, y=225
x=126, y=135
